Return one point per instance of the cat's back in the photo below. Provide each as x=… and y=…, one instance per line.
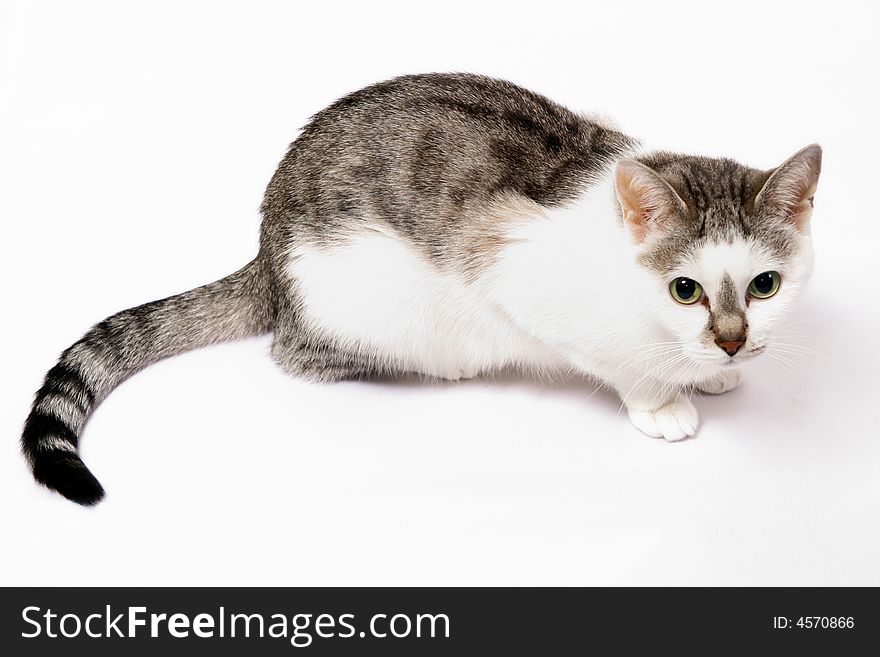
x=423, y=153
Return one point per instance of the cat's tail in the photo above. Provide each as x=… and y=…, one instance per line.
x=233, y=307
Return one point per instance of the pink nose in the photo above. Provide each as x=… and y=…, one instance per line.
x=730, y=346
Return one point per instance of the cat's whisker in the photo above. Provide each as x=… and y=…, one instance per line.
x=694, y=382
x=798, y=347
x=665, y=380
x=638, y=364
x=672, y=382
x=807, y=362
x=792, y=368
x=625, y=398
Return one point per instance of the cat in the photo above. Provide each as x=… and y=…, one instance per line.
x=453, y=225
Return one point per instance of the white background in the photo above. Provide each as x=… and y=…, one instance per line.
x=135, y=143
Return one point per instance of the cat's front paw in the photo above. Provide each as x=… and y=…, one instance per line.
x=674, y=421
x=722, y=382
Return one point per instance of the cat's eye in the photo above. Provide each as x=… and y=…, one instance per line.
x=764, y=286
x=686, y=290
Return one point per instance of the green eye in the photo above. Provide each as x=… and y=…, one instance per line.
x=686, y=290
x=764, y=286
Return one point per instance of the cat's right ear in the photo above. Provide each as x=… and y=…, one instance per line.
x=647, y=202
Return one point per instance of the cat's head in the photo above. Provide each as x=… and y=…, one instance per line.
x=727, y=247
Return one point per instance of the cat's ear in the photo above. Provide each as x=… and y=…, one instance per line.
x=647, y=201
x=788, y=192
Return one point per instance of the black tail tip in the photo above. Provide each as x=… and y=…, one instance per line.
x=66, y=473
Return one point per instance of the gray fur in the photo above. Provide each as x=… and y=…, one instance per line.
x=720, y=197
x=727, y=319
x=423, y=153
x=234, y=307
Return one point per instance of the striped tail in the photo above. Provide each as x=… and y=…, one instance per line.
x=234, y=307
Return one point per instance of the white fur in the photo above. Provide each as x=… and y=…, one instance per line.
x=566, y=292
x=725, y=381
x=673, y=421
x=377, y=294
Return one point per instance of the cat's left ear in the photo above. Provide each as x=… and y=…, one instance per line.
x=788, y=192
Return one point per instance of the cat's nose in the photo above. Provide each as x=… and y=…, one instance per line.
x=730, y=346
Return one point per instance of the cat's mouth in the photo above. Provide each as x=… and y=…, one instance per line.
x=743, y=355
x=711, y=357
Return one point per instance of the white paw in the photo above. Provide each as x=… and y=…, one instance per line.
x=726, y=380
x=675, y=421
